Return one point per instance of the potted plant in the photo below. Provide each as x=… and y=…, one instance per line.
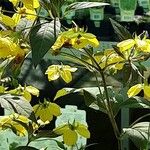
x=145, y=4
x=97, y=14
x=127, y=9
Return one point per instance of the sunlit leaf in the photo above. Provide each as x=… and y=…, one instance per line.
x=60, y=93
x=82, y=5
x=16, y=104
x=139, y=134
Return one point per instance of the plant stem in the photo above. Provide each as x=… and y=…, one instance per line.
x=109, y=106
x=110, y=111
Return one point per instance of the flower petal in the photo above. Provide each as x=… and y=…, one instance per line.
x=126, y=44
x=32, y=90
x=70, y=137
x=8, y=21
x=52, y=72
x=83, y=131
x=45, y=115
x=93, y=42
x=134, y=90
x=19, y=129
x=37, y=109
x=27, y=95
x=147, y=91
x=30, y=4
x=61, y=129
x=88, y=35
x=16, y=17
x=66, y=76
x=54, y=109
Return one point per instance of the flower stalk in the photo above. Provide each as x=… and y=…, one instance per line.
x=108, y=104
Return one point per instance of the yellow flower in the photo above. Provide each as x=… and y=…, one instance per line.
x=30, y=14
x=83, y=40
x=63, y=71
x=143, y=45
x=30, y=4
x=76, y=38
x=126, y=45
x=70, y=132
x=26, y=92
x=136, y=89
x=45, y=111
x=34, y=91
x=8, y=21
x=9, y=49
x=22, y=12
x=13, y=122
x=111, y=60
x=140, y=45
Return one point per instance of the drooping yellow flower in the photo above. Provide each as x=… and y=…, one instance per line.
x=30, y=4
x=143, y=45
x=111, y=60
x=30, y=14
x=9, y=49
x=26, y=92
x=107, y=60
x=138, y=44
x=126, y=45
x=30, y=90
x=8, y=21
x=76, y=38
x=13, y=122
x=136, y=89
x=21, y=12
x=63, y=71
x=45, y=111
x=70, y=132
x=83, y=40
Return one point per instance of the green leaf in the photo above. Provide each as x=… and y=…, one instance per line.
x=45, y=134
x=61, y=145
x=136, y=102
x=42, y=37
x=146, y=63
x=16, y=103
x=139, y=134
x=26, y=148
x=83, y=5
x=89, y=98
x=116, y=49
x=121, y=31
x=60, y=93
